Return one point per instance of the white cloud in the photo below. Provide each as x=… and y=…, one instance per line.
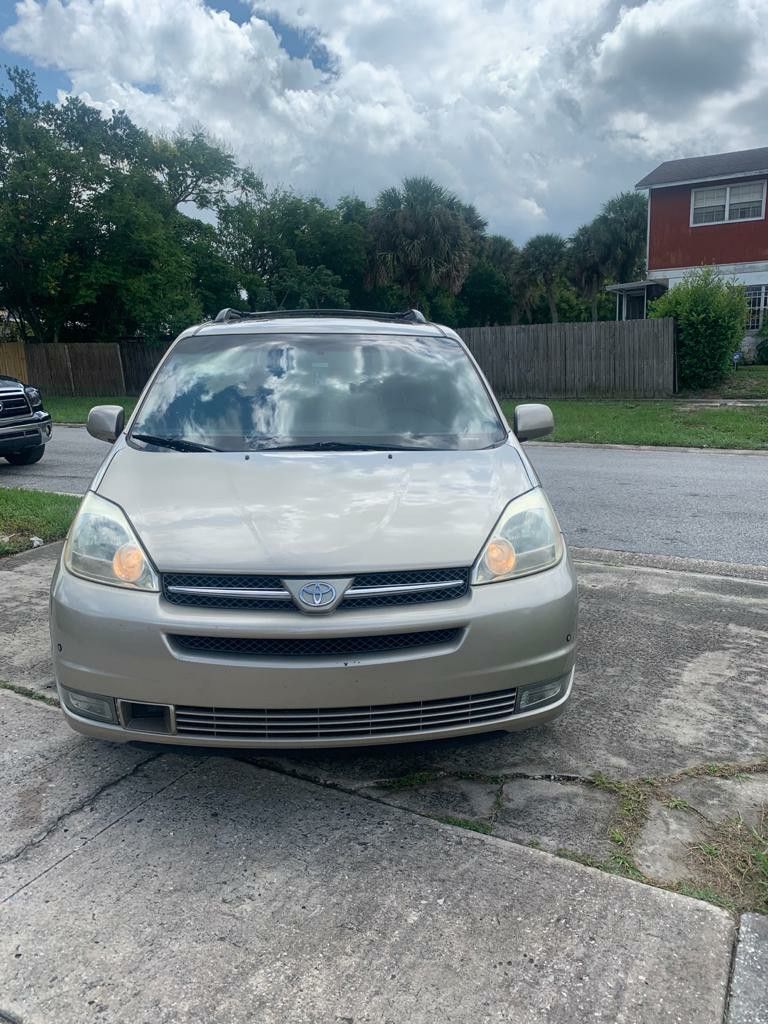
x=535, y=110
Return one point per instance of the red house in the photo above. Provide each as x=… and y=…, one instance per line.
x=705, y=211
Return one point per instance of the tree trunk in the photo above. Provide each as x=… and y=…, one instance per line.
x=594, y=307
x=552, y=308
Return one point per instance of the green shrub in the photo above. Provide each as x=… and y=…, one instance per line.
x=711, y=317
x=761, y=349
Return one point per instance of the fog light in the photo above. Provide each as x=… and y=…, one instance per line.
x=90, y=705
x=538, y=695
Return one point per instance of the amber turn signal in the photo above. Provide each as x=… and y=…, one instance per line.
x=128, y=563
x=500, y=557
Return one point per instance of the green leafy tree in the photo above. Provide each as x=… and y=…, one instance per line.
x=543, y=263
x=711, y=315
x=92, y=245
x=193, y=169
x=422, y=239
x=281, y=246
x=488, y=295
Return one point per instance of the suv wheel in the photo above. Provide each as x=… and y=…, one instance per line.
x=27, y=457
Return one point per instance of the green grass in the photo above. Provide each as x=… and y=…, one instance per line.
x=746, y=382
x=657, y=423
x=66, y=409
x=26, y=514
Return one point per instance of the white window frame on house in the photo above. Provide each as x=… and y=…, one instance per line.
x=727, y=219
x=757, y=302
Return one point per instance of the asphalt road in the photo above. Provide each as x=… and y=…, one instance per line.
x=690, y=504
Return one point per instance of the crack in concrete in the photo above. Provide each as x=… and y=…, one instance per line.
x=101, y=831
x=81, y=805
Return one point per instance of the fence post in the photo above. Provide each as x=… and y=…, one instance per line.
x=69, y=370
x=120, y=366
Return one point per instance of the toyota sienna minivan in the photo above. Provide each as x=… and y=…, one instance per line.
x=316, y=529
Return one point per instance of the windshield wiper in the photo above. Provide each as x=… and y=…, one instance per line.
x=341, y=446
x=178, y=444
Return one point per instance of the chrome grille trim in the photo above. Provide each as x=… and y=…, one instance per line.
x=345, y=723
x=408, y=588
x=240, y=593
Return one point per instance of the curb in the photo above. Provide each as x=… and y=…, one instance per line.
x=672, y=563
x=748, y=1002
x=648, y=448
x=31, y=555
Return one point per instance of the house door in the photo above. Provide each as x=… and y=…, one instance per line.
x=634, y=308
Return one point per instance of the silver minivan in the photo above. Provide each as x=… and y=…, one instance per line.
x=316, y=529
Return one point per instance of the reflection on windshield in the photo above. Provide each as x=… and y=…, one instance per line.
x=240, y=393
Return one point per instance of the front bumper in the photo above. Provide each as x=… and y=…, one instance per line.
x=511, y=636
x=25, y=432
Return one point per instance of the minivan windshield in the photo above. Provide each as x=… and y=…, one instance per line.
x=317, y=391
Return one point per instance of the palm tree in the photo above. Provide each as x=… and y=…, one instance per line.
x=423, y=238
x=585, y=266
x=543, y=262
x=620, y=232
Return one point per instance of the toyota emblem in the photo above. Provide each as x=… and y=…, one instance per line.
x=317, y=595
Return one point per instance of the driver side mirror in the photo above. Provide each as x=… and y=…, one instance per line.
x=533, y=420
x=106, y=422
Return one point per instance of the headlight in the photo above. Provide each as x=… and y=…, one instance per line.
x=34, y=396
x=102, y=547
x=525, y=540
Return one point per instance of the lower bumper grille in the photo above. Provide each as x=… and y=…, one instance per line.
x=312, y=647
x=345, y=723
x=22, y=434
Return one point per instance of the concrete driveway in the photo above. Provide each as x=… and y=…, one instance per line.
x=415, y=883
x=692, y=504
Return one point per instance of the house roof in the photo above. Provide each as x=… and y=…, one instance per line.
x=636, y=286
x=704, y=168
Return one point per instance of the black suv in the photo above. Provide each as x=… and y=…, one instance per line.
x=25, y=426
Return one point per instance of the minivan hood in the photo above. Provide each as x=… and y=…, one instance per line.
x=308, y=513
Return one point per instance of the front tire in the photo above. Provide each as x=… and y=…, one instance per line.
x=26, y=457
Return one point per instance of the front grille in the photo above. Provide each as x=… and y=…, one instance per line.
x=268, y=593
x=13, y=403
x=299, y=724
x=311, y=647
x=273, y=594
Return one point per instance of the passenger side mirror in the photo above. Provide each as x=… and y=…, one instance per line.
x=106, y=422
x=533, y=420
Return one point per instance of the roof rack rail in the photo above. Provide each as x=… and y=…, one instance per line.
x=412, y=316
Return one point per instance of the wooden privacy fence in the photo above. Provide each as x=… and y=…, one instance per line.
x=85, y=368
x=631, y=359
x=13, y=362
x=607, y=359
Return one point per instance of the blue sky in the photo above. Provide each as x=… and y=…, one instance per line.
x=49, y=80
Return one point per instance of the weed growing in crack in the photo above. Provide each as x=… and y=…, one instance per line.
x=26, y=691
x=732, y=861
